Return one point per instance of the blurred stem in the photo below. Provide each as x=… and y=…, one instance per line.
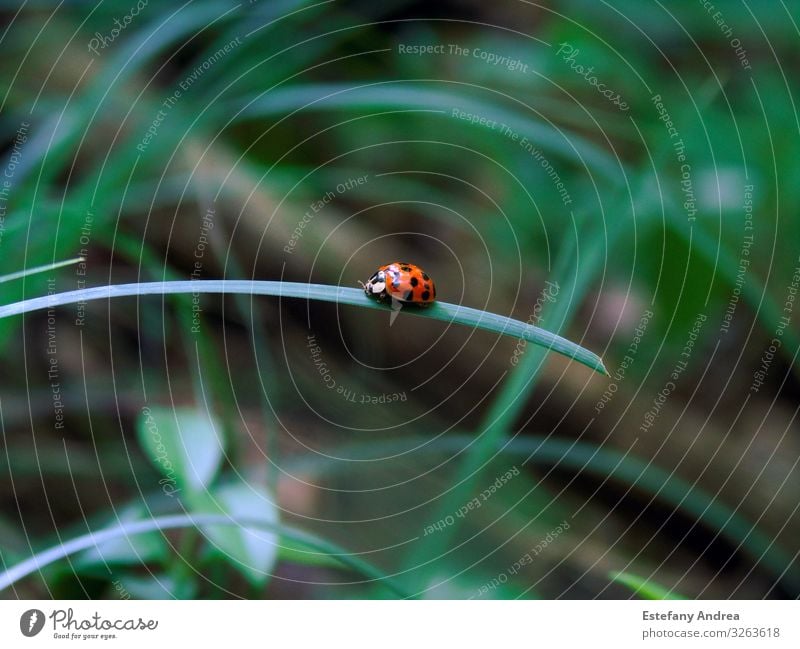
x=69, y=547
x=517, y=387
x=138, y=253
x=663, y=487
x=181, y=570
x=258, y=334
x=520, y=383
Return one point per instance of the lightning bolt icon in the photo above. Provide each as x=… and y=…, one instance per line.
x=32, y=620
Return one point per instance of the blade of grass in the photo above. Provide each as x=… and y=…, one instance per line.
x=393, y=94
x=453, y=313
x=506, y=407
x=642, y=587
x=664, y=487
x=754, y=291
x=39, y=269
x=179, y=521
x=518, y=386
x=66, y=130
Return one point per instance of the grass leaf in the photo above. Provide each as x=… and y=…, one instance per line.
x=134, y=550
x=250, y=550
x=46, y=557
x=420, y=96
x=183, y=444
x=453, y=313
x=642, y=587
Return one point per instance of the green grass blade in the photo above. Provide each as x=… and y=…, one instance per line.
x=642, y=587
x=401, y=94
x=438, y=311
x=602, y=462
x=754, y=290
x=178, y=521
x=39, y=269
x=574, y=279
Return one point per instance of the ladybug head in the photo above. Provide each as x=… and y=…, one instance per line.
x=376, y=284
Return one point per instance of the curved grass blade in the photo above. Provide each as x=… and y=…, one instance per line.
x=400, y=94
x=324, y=292
x=177, y=521
x=605, y=463
x=498, y=421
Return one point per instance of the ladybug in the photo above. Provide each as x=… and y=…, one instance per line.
x=401, y=281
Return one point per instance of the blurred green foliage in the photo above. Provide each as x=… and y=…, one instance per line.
x=195, y=141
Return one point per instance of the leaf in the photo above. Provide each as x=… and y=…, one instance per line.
x=393, y=94
x=66, y=547
x=293, y=552
x=183, y=444
x=251, y=550
x=453, y=313
x=154, y=586
x=134, y=550
x=642, y=587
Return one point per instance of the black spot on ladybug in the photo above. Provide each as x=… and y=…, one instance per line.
x=395, y=284
x=407, y=295
x=425, y=276
x=414, y=281
x=405, y=269
x=427, y=285
x=425, y=295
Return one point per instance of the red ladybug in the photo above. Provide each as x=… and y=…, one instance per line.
x=403, y=282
